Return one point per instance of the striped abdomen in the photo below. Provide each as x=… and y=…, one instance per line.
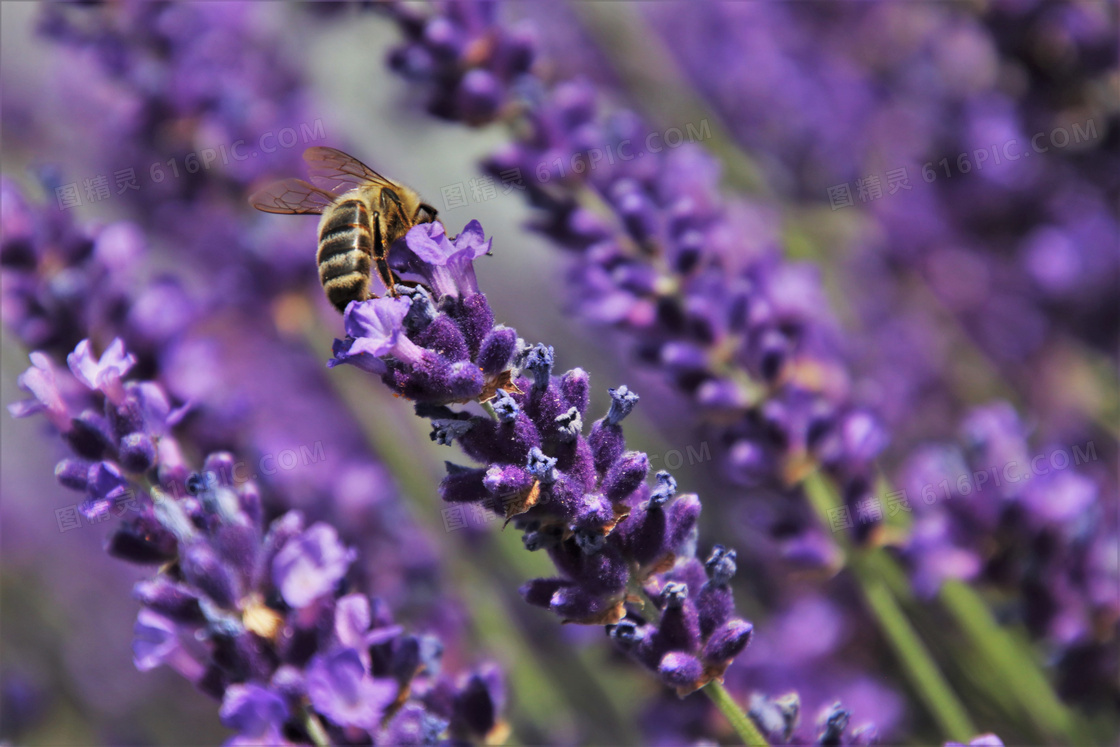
x=346, y=251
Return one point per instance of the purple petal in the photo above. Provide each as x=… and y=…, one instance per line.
x=154, y=640
x=472, y=242
x=377, y=324
x=310, y=565
x=42, y=383
x=352, y=620
x=344, y=352
x=253, y=711
x=105, y=486
x=428, y=241
x=341, y=690
x=105, y=373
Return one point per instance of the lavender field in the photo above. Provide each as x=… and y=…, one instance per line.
x=729, y=372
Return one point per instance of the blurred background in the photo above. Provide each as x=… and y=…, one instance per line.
x=947, y=172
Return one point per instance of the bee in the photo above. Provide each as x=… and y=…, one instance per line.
x=363, y=214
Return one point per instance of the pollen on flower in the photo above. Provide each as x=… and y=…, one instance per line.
x=259, y=618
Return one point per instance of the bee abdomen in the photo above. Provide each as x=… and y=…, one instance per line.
x=343, y=250
x=345, y=253
x=341, y=291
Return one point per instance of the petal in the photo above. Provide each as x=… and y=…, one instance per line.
x=154, y=640
x=252, y=710
x=341, y=690
x=429, y=243
x=472, y=242
x=378, y=319
x=310, y=565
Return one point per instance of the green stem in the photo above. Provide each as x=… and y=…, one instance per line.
x=916, y=661
x=1025, y=693
x=739, y=721
x=315, y=730
x=1013, y=663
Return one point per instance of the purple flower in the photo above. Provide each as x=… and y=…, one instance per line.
x=718, y=283
x=156, y=643
x=105, y=487
x=341, y=689
x=63, y=283
x=256, y=713
x=582, y=499
x=983, y=740
x=103, y=374
x=1019, y=525
x=310, y=565
x=41, y=382
x=1019, y=254
x=448, y=266
x=375, y=329
x=470, y=62
x=235, y=605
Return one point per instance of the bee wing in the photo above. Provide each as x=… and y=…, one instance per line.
x=338, y=172
x=291, y=197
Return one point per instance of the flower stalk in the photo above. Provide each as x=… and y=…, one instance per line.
x=739, y=721
x=917, y=663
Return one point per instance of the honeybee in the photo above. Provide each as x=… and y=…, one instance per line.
x=363, y=214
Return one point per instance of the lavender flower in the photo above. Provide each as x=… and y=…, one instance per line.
x=584, y=499
x=703, y=309
x=197, y=93
x=1018, y=256
x=473, y=72
x=983, y=740
x=696, y=280
x=63, y=280
x=995, y=513
x=120, y=430
x=1008, y=220
x=254, y=615
x=779, y=720
x=59, y=278
x=996, y=247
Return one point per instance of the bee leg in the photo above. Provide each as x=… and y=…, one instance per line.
x=424, y=213
x=381, y=257
x=390, y=284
